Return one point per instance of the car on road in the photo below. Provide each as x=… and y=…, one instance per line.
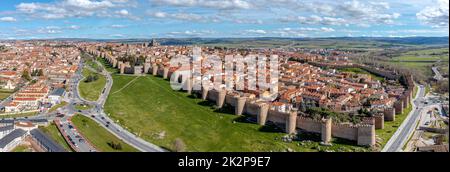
x=107, y=125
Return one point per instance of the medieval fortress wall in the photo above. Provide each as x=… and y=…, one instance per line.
x=363, y=134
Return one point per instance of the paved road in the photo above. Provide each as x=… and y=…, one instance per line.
x=437, y=75
x=406, y=129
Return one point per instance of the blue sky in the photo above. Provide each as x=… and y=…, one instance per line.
x=36, y=19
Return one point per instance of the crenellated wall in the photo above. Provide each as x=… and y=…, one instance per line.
x=389, y=114
x=363, y=134
x=379, y=121
x=345, y=131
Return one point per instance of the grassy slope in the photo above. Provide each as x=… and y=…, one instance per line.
x=20, y=115
x=54, y=133
x=361, y=71
x=22, y=148
x=82, y=107
x=92, y=90
x=54, y=108
x=149, y=107
x=98, y=136
x=390, y=127
x=4, y=95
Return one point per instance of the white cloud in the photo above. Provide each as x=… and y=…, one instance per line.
x=8, y=19
x=118, y=26
x=214, y=4
x=192, y=33
x=74, y=27
x=184, y=17
x=258, y=31
x=316, y=20
x=71, y=8
x=123, y=12
x=436, y=15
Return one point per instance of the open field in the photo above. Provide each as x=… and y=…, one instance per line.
x=91, y=90
x=54, y=133
x=99, y=136
x=155, y=112
x=423, y=67
x=424, y=55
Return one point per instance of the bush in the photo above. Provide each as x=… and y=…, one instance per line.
x=115, y=146
x=91, y=78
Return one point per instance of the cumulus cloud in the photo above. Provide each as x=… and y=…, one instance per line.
x=315, y=20
x=118, y=26
x=71, y=8
x=257, y=31
x=184, y=16
x=350, y=13
x=191, y=33
x=8, y=19
x=74, y=27
x=123, y=12
x=436, y=15
x=287, y=32
x=214, y=4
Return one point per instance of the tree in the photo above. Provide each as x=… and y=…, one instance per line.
x=115, y=146
x=179, y=145
x=26, y=75
x=40, y=73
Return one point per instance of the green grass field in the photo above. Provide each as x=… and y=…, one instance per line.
x=20, y=115
x=361, y=71
x=424, y=55
x=152, y=110
x=54, y=108
x=22, y=148
x=91, y=91
x=107, y=66
x=5, y=93
x=54, y=133
x=82, y=107
x=423, y=67
x=92, y=64
x=99, y=136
